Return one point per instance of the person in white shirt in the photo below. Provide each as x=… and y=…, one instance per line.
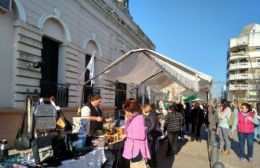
x=94, y=114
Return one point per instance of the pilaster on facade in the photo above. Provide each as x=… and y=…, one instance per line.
x=27, y=50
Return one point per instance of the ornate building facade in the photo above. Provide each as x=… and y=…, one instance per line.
x=62, y=36
x=46, y=45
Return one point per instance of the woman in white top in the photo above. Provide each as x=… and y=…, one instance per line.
x=224, y=114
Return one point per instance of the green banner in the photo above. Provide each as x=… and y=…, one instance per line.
x=191, y=98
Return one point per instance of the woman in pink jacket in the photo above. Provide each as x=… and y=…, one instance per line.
x=136, y=146
x=244, y=123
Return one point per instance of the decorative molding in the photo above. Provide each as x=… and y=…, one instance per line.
x=56, y=16
x=20, y=9
x=92, y=38
x=109, y=14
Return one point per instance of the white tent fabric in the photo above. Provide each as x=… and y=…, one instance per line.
x=147, y=67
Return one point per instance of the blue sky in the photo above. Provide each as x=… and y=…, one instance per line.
x=195, y=32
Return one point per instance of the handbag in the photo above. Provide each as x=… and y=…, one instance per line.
x=60, y=123
x=49, y=149
x=23, y=139
x=63, y=123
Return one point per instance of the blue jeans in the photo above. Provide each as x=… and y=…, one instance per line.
x=257, y=133
x=249, y=137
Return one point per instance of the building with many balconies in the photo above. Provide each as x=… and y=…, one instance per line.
x=243, y=67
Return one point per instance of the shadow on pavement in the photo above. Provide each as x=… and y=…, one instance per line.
x=235, y=147
x=181, y=143
x=204, y=133
x=165, y=161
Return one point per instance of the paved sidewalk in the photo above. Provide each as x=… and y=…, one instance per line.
x=232, y=161
x=195, y=155
x=191, y=154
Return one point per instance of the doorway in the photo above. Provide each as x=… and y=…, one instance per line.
x=120, y=96
x=49, y=68
x=88, y=89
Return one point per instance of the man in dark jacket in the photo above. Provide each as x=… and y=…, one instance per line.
x=197, y=119
x=187, y=116
x=151, y=123
x=173, y=124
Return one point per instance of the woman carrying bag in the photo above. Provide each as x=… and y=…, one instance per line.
x=136, y=145
x=245, y=123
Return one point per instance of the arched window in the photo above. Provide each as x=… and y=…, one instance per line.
x=53, y=57
x=91, y=68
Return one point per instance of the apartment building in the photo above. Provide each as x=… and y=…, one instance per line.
x=243, y=65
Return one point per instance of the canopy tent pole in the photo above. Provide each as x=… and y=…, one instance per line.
x=151, y=77
x=152, y=55
x=143, y=94
x=102, y=72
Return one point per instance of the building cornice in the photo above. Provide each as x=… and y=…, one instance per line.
x=109, y=13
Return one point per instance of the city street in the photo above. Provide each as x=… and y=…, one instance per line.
x=232, y=161
x=190, y=154
x=105, y=72
x=194, y=154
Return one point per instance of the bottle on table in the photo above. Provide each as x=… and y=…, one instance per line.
x=3, y=150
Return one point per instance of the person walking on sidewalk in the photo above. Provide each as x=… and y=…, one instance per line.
x=197, y=119
x=136, y=144
x=224, y=114
x=257, y=127
x=244, y=123
x=173, y=123
x=151, y=123
x=180, y=109
x=187, y=117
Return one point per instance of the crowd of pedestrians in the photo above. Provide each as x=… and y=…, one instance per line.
x=236, y=119
x=168, y=122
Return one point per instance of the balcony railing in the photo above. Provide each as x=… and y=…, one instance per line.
x=60, y=91
x=239, y=65
x=242, y=65
x=240, y=76
x=237, y=55
x=238, y=87
x=243, y=87
x=237, y=42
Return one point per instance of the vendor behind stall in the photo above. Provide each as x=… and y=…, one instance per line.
x=94, y=114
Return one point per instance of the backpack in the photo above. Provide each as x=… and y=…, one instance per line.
x=231, y=119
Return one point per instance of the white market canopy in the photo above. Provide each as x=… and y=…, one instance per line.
x=149, y=68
